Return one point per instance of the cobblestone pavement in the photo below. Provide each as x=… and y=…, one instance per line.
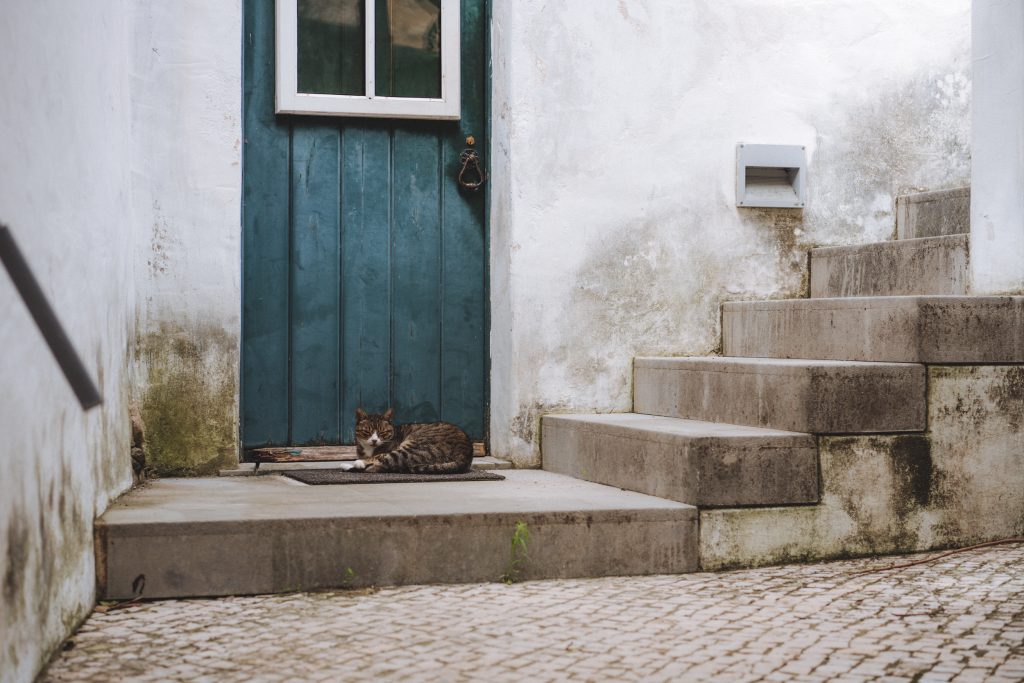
x=961, y=618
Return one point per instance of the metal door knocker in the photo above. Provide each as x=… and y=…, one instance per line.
x=471, y=167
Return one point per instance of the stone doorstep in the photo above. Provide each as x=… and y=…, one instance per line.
x=908, y=329
x=228, y=536
x=815, y=396
x=700, y=463
x=921, y=266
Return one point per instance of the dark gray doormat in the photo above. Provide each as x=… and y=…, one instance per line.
x=336, y=476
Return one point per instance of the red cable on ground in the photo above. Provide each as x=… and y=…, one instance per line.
x=1001, y=541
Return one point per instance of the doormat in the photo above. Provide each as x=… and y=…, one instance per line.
x=335, y=476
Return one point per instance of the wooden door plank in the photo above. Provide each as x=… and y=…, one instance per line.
x=265, y=241
x=416, y=275
x=315, y=282
x=366, y=295
x=464, y=257
x=463, y=306
x=303, y=454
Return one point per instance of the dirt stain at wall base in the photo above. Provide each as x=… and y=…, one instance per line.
x=189, y=404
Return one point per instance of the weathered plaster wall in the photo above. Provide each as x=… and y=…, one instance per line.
x=65, y=136
x=614, y=231
x=997, y=198
x=187, y=167
x=121, y=163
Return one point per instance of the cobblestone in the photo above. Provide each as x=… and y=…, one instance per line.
x=958, y=619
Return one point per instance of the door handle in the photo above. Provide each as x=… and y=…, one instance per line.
x=471, y=173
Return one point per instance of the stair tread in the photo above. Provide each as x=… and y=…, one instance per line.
x=245, y=535
x=934, y=195
x=909, y=243
x=655, y=426
x=899, y=301
x=769, y=365
x=921, y=266
x=273, y=498
x=799, y=395
x=702, y=463
x=919, y=328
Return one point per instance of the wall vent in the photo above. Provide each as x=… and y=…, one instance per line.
x=772, y=176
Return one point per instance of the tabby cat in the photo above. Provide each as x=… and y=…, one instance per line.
x=421, y=448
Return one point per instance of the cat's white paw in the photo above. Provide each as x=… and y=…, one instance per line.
x=358, y=465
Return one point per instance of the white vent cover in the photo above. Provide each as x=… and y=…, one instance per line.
x=771, y=176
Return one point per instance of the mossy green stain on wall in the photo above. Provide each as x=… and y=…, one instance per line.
x=913, y=471
x=189, y=404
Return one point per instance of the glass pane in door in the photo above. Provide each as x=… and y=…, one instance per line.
x=332, y=47
x=408, y=59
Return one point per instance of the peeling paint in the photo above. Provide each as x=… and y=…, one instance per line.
x=526, y=425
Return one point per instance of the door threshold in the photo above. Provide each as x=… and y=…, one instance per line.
x=248, y=469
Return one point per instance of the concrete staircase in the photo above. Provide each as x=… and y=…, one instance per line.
x=883, y=414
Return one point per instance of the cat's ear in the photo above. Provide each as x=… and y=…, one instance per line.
x=360, y=414
x=388, y=414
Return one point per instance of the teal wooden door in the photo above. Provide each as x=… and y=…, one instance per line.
x=364, y=263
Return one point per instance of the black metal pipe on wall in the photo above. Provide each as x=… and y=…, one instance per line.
x=47, y=322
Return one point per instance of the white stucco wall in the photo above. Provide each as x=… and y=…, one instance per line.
x=997, y=185
x=65, y=138
x=120, y=138
x=614, y=231
x=187, y=167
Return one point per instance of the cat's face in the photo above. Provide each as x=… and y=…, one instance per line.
x=373, y=429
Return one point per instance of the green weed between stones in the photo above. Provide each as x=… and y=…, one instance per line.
x=518, y=557
x=349, y=579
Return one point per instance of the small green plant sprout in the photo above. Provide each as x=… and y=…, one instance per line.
x=348, y=579
x=518, y=557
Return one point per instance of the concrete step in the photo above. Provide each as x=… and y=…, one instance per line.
x=817, y=396
x=932, y=214
x=701, y=463
x=928, y=265
x=907, y=329
x=248, y=535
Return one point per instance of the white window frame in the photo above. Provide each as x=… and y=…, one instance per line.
x=289, y=100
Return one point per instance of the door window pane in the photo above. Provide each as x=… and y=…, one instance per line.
x=408, y=55
x=332, y=47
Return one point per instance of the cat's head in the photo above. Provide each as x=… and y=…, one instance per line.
x=373, y=429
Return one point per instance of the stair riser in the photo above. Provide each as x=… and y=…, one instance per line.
x=933, y=214
x=970, y=330
x=213, y=559
x=961, y=484
x=707, y=473
x=857, y=399
x=915, y=267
